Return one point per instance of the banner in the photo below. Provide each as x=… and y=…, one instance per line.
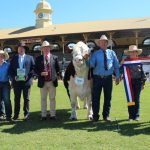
x=145, y=61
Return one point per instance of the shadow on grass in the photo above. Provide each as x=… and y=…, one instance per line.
x=123, y=127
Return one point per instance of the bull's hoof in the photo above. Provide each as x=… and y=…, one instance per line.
x=90, y=117
x=85, y=107
x=77, y=107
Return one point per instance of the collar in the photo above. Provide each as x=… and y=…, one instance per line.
x=4, y=62
x=47, y=55
x=20, y=56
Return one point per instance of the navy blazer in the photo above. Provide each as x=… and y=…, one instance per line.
x=28, y=65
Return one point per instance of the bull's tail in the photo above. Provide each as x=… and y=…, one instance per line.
x=66, y=86
x=70, y=71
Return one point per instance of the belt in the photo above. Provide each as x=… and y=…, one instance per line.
x=103, y=76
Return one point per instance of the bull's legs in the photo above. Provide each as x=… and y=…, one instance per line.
x=85, y=105
x=73, y=108
x=89, y=109
x=77, y=104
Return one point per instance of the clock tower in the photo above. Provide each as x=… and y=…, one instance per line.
x=43, y=13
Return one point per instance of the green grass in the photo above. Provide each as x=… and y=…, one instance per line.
x=64, y=134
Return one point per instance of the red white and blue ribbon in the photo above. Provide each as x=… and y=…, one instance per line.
x=145, y=61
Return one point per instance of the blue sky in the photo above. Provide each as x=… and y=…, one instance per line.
x=19, y=13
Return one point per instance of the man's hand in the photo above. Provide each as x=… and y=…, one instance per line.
x=117, y=81
x=142, y=87
x=44, y=74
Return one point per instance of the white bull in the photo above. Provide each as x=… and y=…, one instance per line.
x=78, y=84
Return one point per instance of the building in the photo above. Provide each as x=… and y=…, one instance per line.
x=121, y=32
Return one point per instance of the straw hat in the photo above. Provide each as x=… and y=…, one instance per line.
x=133, y=48
x=46, y=44
x=5, y=54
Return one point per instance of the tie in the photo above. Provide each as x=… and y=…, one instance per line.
x=21, y=62
x=48, y=69
x=105, y=60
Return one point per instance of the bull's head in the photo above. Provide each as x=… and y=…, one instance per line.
x=79, y=51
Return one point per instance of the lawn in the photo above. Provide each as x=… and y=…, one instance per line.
x=64, y=134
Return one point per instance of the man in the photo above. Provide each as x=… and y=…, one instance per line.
x=104, y=62
x=47, y=69
x=4, y=87
x=21, y=71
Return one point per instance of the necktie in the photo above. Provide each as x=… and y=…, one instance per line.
x=48, y=69
x=21, y=62
x=105, y=60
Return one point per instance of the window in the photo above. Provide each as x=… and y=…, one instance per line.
x=8, y=49
x=91, y=45
x=146, y=41
x=56, y=47
x=69, y=47
x=37, y=47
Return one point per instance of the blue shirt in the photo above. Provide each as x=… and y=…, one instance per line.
x=97, y=63
x=4, y=71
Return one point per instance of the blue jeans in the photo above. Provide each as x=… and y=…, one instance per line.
x=134, y=111
x=5, y=96
x=99, y=84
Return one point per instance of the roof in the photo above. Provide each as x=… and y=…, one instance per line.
x=80, y=27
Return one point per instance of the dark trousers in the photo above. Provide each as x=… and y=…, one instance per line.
x=17, y=96
x=135, y=109
x=5, y=99
x=2, y=113
x=98, y=84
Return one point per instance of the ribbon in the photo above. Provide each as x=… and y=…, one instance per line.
x=145, y=61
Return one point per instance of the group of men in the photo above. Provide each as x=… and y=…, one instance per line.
x=20, y=71
x=104, y=64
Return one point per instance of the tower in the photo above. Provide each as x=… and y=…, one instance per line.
x=43, y=13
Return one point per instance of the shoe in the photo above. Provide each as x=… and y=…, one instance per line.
x=107, y=119
x=2, y=118
x=53, y=118
x=26, y=117
x=43, y=119
x=8, y=119
x=95, y=120
x=15, y=118
x=137, y=118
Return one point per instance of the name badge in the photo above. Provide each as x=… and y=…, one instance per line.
x=21, y=74
x=79, y=81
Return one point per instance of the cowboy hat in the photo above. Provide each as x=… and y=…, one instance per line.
x=103, y=37
x=46, y=44
x=5, y=54
x=133, y=48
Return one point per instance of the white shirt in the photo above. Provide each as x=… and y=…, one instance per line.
x=21, y=61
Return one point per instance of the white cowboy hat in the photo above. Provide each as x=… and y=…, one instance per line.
x=133, y=48
x=103, y=37
x=5, y=54
x=46, y=44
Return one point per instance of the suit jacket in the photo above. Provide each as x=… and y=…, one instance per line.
x=28, y=65
x=39, y=67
